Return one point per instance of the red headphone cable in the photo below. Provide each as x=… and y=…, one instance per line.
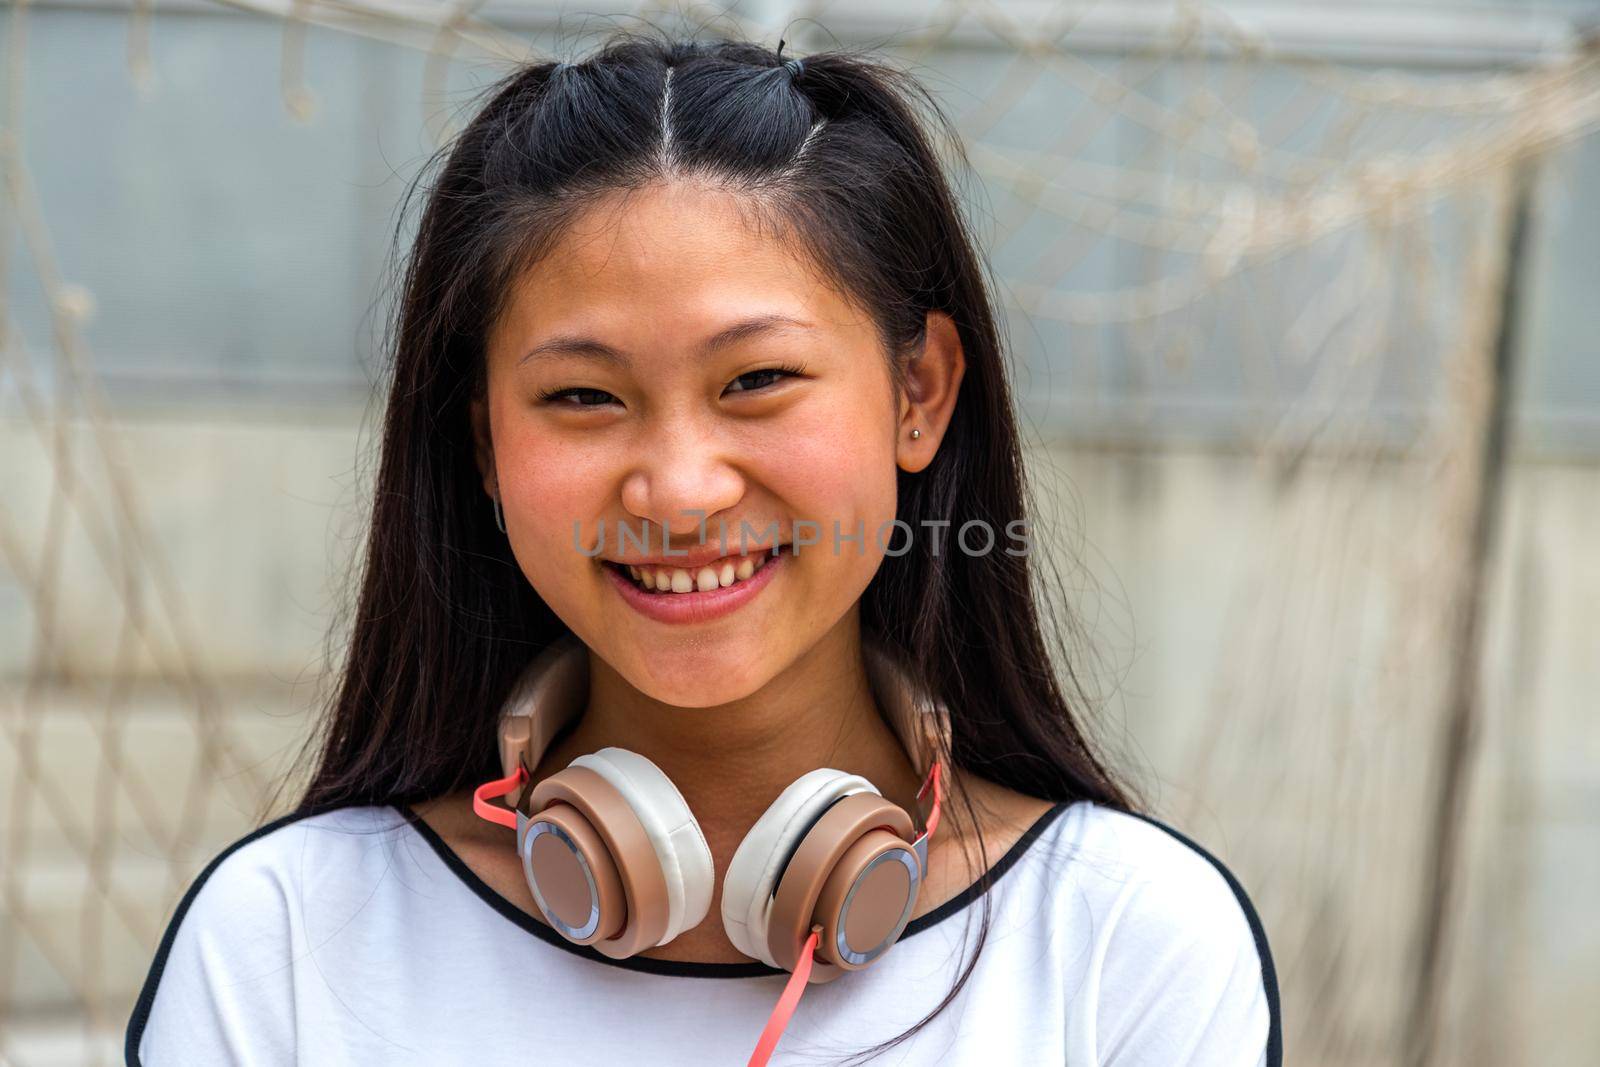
x=786, y=1003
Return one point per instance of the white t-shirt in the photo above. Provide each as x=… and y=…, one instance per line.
x=357, y=937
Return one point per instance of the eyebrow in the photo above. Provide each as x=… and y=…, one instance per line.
x=744, y=329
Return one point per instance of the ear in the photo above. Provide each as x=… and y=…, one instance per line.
x=933, y=381
x=483, y=445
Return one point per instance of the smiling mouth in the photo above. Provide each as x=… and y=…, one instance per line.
x=672, y=581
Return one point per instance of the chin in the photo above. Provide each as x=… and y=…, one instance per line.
x=699, y=671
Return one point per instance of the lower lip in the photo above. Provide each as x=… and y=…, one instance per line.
x=697, y=606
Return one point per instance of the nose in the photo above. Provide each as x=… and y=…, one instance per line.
x=682, y=478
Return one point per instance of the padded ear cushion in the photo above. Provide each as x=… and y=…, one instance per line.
x=672, y=828
x=759, y=860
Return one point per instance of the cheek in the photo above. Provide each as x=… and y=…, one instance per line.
x=549, y=486
x=841, y=468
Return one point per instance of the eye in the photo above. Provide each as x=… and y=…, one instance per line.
x=583, y=398
x=767, y=375
x=748, y=382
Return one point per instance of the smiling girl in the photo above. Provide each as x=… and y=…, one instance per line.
x=696, y=663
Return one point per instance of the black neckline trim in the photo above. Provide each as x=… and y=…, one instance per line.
x=689, y=969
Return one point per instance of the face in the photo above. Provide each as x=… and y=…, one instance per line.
x=669, y=371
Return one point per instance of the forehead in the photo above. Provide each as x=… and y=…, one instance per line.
x=664, y=262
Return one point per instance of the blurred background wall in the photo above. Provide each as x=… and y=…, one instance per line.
x=1303, y=302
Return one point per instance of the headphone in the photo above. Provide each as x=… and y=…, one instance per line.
x=823, y=883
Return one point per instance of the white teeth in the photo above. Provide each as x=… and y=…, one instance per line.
x=704, y=580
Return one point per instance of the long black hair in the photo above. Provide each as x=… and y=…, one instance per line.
x=831, y=150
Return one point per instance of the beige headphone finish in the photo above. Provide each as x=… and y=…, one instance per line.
x=616, y=860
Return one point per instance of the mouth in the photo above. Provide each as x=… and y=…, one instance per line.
x=679, y=595
x=667, y=580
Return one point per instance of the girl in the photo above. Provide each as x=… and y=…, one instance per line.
x=697, y=661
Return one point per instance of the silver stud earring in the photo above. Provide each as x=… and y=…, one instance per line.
x=915, y=433
x=499, y=516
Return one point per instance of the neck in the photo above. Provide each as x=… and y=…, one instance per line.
x=731, y=761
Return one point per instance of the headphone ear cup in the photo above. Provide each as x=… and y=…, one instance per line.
x=759, y=862
x=866, y=899
x=674, y=833
x=856, y=875
x=624, y=844
x=572, y=875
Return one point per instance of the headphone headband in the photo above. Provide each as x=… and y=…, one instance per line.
x=554, y=688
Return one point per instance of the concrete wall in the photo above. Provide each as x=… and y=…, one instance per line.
x=1264, y=643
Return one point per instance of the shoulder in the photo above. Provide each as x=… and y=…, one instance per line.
x=1178, y=955
x=228, y=949
x=1145, y=864
x=274, y=867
